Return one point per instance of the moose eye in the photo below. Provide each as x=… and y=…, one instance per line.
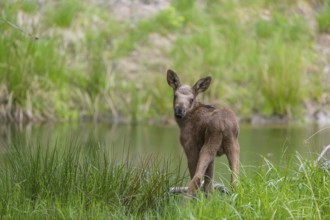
x=191, y=101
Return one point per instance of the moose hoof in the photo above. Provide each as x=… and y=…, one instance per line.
x=184, y=189
x=178, y=189
x=222, y=188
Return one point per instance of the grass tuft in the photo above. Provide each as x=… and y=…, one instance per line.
x=71, y=180
x=63, y=13
x=323, y=18
x=38, y=182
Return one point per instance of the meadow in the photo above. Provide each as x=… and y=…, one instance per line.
x=70, y=180
x=62, y=60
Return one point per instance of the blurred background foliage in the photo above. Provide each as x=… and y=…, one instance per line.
x=69, y=60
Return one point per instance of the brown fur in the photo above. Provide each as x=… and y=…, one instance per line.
x=205, y=132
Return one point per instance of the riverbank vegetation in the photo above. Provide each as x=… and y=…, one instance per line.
x=70, y=60
x=69, y=180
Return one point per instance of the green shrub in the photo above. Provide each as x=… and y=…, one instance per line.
x=63, y=13
x=323, y=18
x=29, y=6
x=281, y=78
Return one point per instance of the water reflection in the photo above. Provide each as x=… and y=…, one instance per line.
x=277, y=143
x=138, y=141
x=280, y=142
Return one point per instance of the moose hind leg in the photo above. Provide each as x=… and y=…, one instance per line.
x=233, y=159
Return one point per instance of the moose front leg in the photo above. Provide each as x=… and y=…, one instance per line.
x=192, y=157
x=208, y=177
x=206, y=158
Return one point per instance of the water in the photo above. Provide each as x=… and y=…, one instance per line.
x=276, y=143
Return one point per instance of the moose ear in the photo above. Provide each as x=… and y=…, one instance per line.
x=202, y=84
x=173, y=79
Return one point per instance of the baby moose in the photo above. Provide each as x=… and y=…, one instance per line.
x=205, y=132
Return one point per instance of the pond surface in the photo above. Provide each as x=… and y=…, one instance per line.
x=276, y=143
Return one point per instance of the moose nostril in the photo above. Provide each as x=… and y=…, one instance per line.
x=179, y=112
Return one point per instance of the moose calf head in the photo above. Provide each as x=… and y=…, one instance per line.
x=184, y=95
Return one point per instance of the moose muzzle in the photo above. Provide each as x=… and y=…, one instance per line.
x=179, y=112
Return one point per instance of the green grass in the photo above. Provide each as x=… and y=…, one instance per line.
x=323, y=18
x=63, y=13
x=69, y=180
x=238, y=55
x=70, y=71
x=29, y=6
x=272, y=193
x=280, y=80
